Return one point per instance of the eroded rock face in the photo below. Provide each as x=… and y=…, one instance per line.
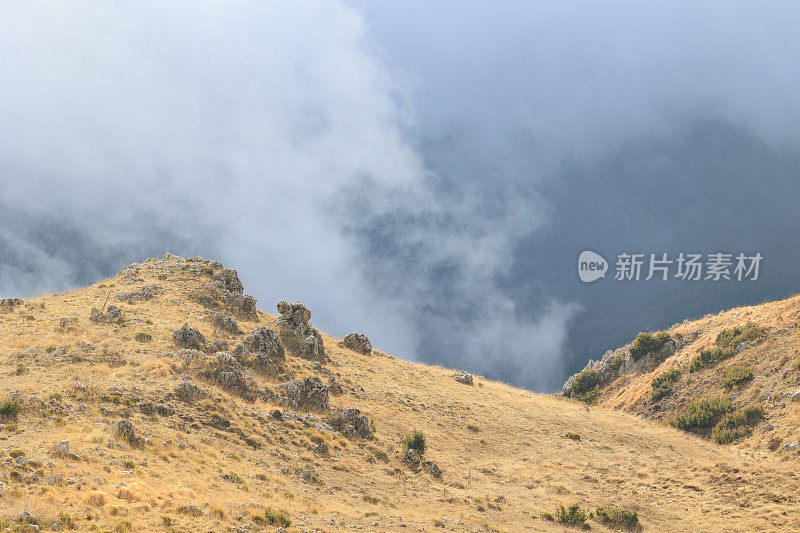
x=227, y=279
x=293, y=315
x=357, y=423
x=358, y=343
x=241, y=305
x=304, y=394
x=187, y=337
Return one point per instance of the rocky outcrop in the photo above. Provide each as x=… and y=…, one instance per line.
x=224, y=322
x=358, y=343
x=464, y=378
x=356, y=424
x=620, y=362
x=62, y=451
x=294, y=320
x=147, y=292
x=227, y=280
x=113, y=315
x=228, y=373
x=187, y=337
x=305, y=394
x=265, y=341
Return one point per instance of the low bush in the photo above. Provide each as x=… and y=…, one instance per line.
x=732, y=337
x=586, y=381
x=662, y=384
x=416, y=442
x=736, y=375
x=646, y=343
x=617, y=518
x=143, y=337
x=701, y=414
x=617, y=361
x=277, y=518
x=737, y=424
x=572, y=516
x=709, y=357
x=9, y=410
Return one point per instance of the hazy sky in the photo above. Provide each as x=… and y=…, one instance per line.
x=422, y=172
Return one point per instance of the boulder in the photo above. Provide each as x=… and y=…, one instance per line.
x=463, y=377
x=225, y=322
x=62, y=450
x=357, y=423
x=358, y=343
x=304, y=394
x=432, y=468
x=187, y=392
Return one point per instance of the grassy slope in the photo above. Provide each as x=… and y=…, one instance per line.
x=512, y=466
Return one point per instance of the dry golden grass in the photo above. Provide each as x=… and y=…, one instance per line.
x=517, y=465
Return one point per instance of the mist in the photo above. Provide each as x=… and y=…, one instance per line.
x=424, y=173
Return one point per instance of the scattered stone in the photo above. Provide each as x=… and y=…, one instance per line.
x=8, y=304
x=358, y=343
x=356, y=423
x=65, y=323
x=265, y=341
x=62, y=450
x=125, y=430
x=322, y=449
x=187, y=337
x=463, y=377
x=26, y=518
x=228, y=372
x=411, y=458
x=793, y=446
x=304, y=394
x=113, y=315
x=276, y=414
x=432, y=468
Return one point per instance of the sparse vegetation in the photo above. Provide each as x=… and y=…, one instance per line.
x=572, y=516
x=142, y=337
x=277, y=518
x=725, y=345
x=701, y=414
x=416, y=442
x=735, y=425
x=617, y=518
x=616, y=361
x=585, y=382
x=646, y=343
x=736, y=375
x=662, y=384
x=9, y=410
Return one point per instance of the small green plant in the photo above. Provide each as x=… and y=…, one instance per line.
x=701, y=414
x=437, y=523
x=128, y=465
x=143, y=337
x=617, y=518
x=167, y=521
x=732, y=337
x=370, y=499
x=573, y=516
x=67, y=521
x=123, y=527
x=415, y=441
x=473, y=428
x=9, y=410
x=572, y=436
x=16, y=453
x=662, y=384
x=56, y=397
x=20, y=369
x=646, y=343
x=277, y=518
x=736, y=375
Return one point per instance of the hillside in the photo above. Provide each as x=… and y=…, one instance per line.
x=747, y=357
x=214, y=426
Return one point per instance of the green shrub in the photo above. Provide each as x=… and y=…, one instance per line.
x=573, y=516
x=736, y=375
x=416, y=442
x=16, y=453
x=735, y=425
x=662, y=383
x=9, y=410
x=617, y=518
x=277, y=518
x=143, y=337
x=585, y=381
x=646, y=343
x=701, y=414
x=709, y=357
